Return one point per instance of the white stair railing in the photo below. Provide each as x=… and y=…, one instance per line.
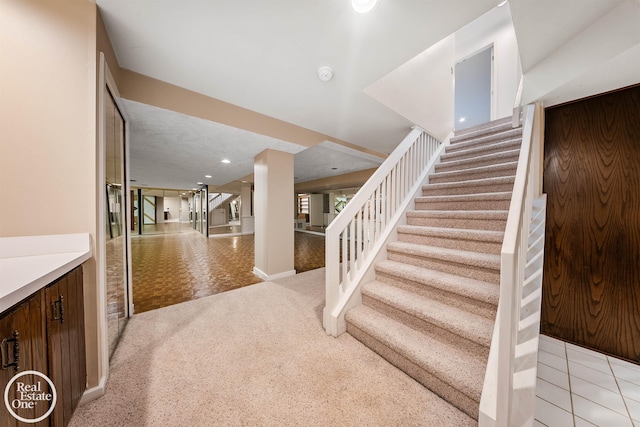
x=358, y=234
x=508, y=395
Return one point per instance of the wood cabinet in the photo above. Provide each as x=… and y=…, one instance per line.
x=45, y=333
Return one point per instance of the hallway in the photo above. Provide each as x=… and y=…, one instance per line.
x=174, y=268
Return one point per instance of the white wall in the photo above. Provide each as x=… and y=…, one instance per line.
x=422, y=89
x=173, y=204
x=494, y=27
x=184, y=204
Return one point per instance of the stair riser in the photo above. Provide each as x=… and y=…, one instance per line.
x=462, y=302
x=472, y=344
x=470, y=153
x=461, y=165
x=466, y=189
x=478, y=140
x=467, y=224
x=449, y=393
x=463, y=205
x=462, y=176
x=487, y=247
x=473, y=272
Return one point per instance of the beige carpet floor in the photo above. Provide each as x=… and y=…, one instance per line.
x=256, y=356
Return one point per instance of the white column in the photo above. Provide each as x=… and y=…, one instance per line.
x=274, y=233
x=246, y=218
x=316, y=210
x=332, y=206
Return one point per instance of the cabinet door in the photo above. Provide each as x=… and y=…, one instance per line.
x=28, y=321
x=65, y=330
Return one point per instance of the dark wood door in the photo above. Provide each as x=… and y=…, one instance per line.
x=65, y=330
x=591, y=285
x=26, y=323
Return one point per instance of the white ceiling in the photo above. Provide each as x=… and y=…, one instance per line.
x=264, y=56
x=173, y=150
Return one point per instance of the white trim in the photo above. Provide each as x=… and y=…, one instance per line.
x=101, y=262
x=94, y=393
x=264, y=276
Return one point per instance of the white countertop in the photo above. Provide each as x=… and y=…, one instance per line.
x=30, y=263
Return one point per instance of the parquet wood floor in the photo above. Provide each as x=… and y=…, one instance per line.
x=173, y=268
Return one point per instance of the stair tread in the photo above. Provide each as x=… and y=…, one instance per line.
x=444, y=360
x=484, y=138
x=477, y=259
x=478, y=159
x=501, y=195
x=477, y=170
x=463, y=323
x=464, y=149
x=471, y=183
x=503, y=121
x=498, y=132
x=460, y=233
x=460, y=285
x=497, y=214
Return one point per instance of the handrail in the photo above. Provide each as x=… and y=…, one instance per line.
x=356, y=236
x=497, y=402
x=517, y=108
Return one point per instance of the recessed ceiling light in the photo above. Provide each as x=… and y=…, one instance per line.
x=225, y=161
x=462, y=119
x=207, y=176
x=194, y=189
x=363, y=6
x=199, y=183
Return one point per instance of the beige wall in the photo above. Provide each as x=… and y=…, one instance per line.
x=353, y=179
x=273, y=213
x=103, y=44
x=48, y=128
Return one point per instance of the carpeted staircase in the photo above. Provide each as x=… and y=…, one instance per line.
x=432, y=307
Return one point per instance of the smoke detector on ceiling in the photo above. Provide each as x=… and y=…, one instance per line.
x=325, y=73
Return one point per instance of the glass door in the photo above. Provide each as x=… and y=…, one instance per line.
x=115, y=215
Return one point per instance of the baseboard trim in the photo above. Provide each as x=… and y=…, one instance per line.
x=94, y=393
x=265, y=276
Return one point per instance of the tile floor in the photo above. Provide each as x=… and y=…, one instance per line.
x=579, y=387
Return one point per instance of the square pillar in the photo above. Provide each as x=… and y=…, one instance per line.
x=246, y=217
x=274, y=232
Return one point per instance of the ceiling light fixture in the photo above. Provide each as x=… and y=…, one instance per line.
x=462, y=119
x=363, y=6
x=199, y=183
x=207, y=176
x=225, y=161
x=325, y=73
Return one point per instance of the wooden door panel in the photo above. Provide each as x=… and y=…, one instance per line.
x=27, y=319
x=56, y=347
x=591, y=284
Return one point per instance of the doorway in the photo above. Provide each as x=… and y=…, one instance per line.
x=473, y=89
